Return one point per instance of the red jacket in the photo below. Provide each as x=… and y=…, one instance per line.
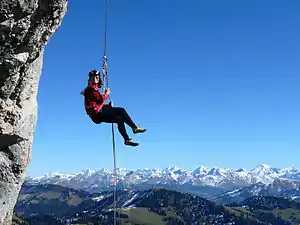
x=93, y=100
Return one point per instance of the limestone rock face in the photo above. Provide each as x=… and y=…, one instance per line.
x=25, y=28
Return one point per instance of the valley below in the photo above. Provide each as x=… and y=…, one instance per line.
x=171, y=196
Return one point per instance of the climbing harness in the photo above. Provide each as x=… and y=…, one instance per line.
x=105, y=85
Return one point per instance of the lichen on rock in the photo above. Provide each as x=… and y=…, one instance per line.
x=25, y=28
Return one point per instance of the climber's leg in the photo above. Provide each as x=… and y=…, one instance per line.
x=120, y=111
x=115, y=115
x=129, y=121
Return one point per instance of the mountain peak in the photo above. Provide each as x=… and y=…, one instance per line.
x=88, y=172
x=263, y=165
x=201, y=170
x=173, y=168
x=241, y=170
x=291, y=168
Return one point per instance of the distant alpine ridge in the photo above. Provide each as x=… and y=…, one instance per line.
x=208, y=180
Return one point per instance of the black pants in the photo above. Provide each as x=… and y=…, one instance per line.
x=116, y=115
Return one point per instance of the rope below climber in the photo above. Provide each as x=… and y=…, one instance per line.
x=100, y=112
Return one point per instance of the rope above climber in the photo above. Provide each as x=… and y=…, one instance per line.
x=100, y=112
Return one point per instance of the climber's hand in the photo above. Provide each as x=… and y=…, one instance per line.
x=111, y=104
x=107, y=91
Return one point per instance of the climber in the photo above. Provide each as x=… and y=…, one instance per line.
x=100, y=112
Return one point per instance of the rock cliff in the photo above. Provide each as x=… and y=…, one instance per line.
x=25, y=28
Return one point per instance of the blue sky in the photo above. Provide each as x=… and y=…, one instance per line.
x=216, y=83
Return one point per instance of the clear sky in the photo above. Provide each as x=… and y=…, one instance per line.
x=216, y=83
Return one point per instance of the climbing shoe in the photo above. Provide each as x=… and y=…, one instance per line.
x=130, y=142
x=139, y=130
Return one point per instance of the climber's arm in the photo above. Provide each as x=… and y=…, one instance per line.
x=106, y=94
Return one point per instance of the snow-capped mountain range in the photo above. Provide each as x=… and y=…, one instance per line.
x=279, y=188
x=94, y=181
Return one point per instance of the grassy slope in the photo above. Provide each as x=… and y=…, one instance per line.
x=142, y=216
x=239, y=211
x=288, y=210
x=290, y=215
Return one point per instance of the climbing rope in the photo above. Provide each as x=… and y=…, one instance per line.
x=105, y=80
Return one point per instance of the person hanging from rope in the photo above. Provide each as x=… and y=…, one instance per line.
x=100, y=112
